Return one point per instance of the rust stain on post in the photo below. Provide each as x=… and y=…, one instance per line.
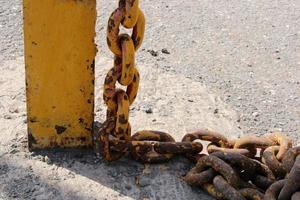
x=59, y=58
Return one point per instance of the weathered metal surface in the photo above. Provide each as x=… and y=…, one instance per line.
x=59, y=60
x=251, y=194
x=269, y=158
x=228, y=191
x=228, y=169
x=273, y=191
x=291, y=184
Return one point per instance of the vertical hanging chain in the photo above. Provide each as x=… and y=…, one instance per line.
x=124, y=71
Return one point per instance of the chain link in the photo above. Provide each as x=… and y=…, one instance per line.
x=250, y=167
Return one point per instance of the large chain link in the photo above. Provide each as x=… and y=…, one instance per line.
x=250, y=167
x=117, y=128
x=114, y=138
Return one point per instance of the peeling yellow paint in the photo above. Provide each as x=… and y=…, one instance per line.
x=59, y=60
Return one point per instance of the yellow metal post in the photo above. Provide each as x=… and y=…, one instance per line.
x=59, y=60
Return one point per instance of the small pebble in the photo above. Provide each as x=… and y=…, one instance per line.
x=272, y=130
x=216, y=111
x=13, y=110
x=144, y=181
x=153, y=53
x=165, y=51
x=149, y=110
x=47, y=160
x=7, y=117
x=14, y=151
x=115, y=174
x=128, y=187
x=255, y=114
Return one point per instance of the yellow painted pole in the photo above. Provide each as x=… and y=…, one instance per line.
x=59, y=61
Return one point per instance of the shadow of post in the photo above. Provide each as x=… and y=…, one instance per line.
x=126, y=176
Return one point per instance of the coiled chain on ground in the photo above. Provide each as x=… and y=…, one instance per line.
x=250, y=167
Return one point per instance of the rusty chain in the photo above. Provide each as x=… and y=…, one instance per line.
x=250, y=167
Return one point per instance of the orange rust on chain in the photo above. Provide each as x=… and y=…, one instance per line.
x=150, y=135
x=109, y=90
x=219, y=166
x=291, y=184
x=133, y=87
x=115, y=141
x=296, y=196
x=104, y=133
x=128, y=59
x=251, y=194
x=289, y=158
x=210, y=189
x=248, y=169
x=146, y=153
x=178, y=147
x=273, y=191
x=252, y=142
x=114, y=74
x=207, y=135
x=131, y=13
x=159, y=147
x=198, y=178
x=226, y=189
x=211, y=148
x=264, y=170
x=283, y=141
x=263, y=177
x=138, y=31
x=245, y=166
x=122, y=128
x=113, y=31
x=262, y=182
x=269, y=158
x=119, y=145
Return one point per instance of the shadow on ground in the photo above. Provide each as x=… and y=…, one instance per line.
x=128, y=178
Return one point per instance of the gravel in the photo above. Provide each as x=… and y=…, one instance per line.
x=246, y=51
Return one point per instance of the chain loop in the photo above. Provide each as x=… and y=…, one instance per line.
x=131, y=13
x=146, y=152
x=289, y=158
x=226, y=189
x=283, y=141
x=122, y=129
x=109, y=89
x=113, y=31
x=269, y=158
x=128, y=59
x=291, y=184
x=138, y=31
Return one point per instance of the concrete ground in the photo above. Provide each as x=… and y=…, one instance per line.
x=233, y=66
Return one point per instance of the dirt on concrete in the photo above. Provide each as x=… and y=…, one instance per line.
x=178, y=105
